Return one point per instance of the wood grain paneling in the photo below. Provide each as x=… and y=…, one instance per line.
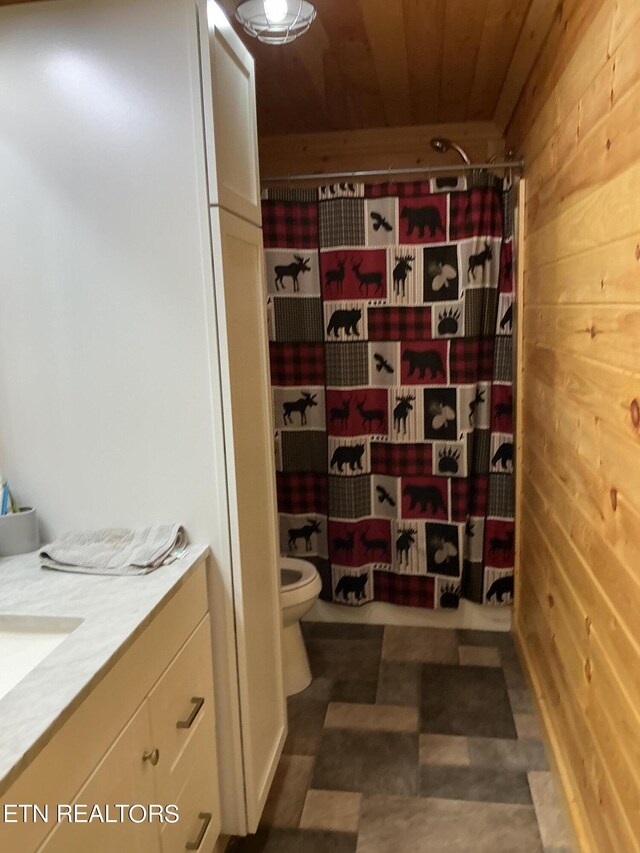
x=384, y=23
x=579, y=446
x=424, y=33
x=532, y=36
x=463, y=27
x=381, y=148
x=494, y=54
x=394, y=63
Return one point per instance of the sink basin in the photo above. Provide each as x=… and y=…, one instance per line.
x=25, y=641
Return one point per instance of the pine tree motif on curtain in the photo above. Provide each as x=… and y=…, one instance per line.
x=390, y=319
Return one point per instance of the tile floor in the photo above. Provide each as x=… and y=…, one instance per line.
x=411, y=739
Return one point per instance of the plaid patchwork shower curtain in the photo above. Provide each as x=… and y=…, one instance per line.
x=390, y=321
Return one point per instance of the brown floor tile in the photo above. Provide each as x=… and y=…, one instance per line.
x=420, y=645
x=331, y=690
x=354, y=691
x=371, y=762
x=514, y=677
x=508, y=655
x=320, y=688
x=444, y=749
x=344, y=659
x=287, y=795
x=551, y=818
x=465, y=700
x=479, y=656
x=399, y=683
x=306, y=721
x=385, y=718
x=521, y=700
x=521, y=754
x=502, y=639
x=513, y=672
x=528, y=726
x=415, y=825
x=480, y=784
x=341, y=631
x=274, y=840
x=338, y=811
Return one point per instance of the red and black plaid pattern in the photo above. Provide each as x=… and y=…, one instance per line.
x=400, y=189
x=296, y=364
x=302, y=491
x=474, y=213
x=469, y=496
x=399, y=324
x=471, y=360
x=410, y=590
x=287, y=225
x=401, y=460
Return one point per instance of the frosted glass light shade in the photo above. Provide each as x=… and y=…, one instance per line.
x=276, y=10
x=270, y=22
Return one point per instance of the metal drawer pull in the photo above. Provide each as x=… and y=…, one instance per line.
x=206, y=818
x=198, y=702
x=152, y=756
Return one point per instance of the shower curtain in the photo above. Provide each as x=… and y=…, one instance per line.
x=390, y=313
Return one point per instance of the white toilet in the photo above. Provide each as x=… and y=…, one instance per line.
x=300, y=586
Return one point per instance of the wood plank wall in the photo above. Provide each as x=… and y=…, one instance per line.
x=578, y=612
x=377, y=148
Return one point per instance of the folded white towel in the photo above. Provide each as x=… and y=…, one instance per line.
x=115, y=551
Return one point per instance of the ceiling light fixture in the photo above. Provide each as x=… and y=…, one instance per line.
x=276, y=21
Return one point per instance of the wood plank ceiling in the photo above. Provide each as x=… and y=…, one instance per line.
x=389, y=63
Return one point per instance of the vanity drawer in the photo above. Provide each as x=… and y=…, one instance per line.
x=182, y=714
x=198, y=804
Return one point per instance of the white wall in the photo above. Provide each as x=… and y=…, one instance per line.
x=105, y=412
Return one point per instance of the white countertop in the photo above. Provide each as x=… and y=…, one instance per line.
x=113, y=610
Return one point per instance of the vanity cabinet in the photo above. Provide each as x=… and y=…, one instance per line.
x=161, y=757
x=145, y=734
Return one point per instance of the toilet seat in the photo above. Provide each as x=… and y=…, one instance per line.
x=296, y=574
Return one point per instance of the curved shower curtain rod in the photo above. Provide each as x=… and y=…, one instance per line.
x=516, y=165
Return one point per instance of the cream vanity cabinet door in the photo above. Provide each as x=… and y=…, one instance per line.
x=229, y=105
x=199, y=824
x=123, y=776
x=182, y=718
x=242, y=329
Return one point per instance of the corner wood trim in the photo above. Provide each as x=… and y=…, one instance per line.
x=518, y=375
